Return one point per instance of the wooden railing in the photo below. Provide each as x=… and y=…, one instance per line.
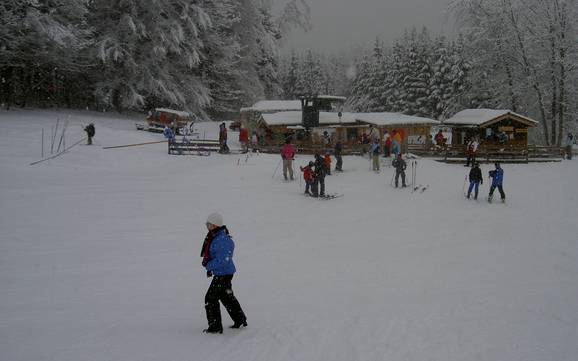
x=495, y=152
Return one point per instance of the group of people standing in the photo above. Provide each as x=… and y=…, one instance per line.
x=475, y=177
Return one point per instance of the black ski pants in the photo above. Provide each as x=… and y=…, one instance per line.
x=499, y=186
x=339, y=162
x=221, y=290
x=399, y=172
x=318, y=186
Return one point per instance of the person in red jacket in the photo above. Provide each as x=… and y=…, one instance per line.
x=244, y=139
x=308, y=176
x=287, y=154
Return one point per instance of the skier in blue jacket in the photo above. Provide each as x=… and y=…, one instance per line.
x=497, y=176
x=217, y=253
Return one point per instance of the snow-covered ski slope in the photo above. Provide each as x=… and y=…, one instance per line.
x=99, y=256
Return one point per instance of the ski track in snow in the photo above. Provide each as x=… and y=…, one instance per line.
x=99, y=255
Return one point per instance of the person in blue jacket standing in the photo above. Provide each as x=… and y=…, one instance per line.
x=168, y=133
x=497, y=176
x=217, y=253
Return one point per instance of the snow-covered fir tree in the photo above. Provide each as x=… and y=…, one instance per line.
x=42, y=54
x=289, y=78
x=149, y=53
x=311, y=80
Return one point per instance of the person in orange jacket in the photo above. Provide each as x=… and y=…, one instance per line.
x=327, y=163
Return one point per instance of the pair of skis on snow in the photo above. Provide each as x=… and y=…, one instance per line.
x=420, y=187
x=326, y=196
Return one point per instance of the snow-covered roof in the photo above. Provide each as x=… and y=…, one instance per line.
x=294, y=118
x=383, y=119
x=331, y=97
x=270, y=106
x=484, y=117
x=378, y=119
x=180, y=113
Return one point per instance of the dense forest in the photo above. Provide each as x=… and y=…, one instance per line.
x=214, y=57
x=208, y=57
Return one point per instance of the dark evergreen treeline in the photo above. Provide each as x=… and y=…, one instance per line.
x=209, y=57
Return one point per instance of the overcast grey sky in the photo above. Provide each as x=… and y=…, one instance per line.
x=340, y=24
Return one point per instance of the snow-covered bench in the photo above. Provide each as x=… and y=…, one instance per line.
x=193, y=146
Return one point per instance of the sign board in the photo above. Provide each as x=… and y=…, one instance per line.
x=506, y=129
x=522, y=130
x=416, y=139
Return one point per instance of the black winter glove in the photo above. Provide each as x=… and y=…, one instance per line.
x=209, y=274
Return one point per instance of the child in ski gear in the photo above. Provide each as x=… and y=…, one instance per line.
x=339, y=160
x=327, y=163
x=217, y=253
x=90, y=131
x=308, y=176
x=475, y=180
x=318, y=188
x=569, y=142
x=471, y=150
x=374, y=153
x=287, y=154
x=497, y=176
x=399, y=165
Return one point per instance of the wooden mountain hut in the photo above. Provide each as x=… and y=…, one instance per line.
x=488, y=124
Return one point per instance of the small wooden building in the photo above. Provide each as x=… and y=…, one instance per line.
x=413, y=132
x=487, y=124
x=252, y=117
x=352, y=129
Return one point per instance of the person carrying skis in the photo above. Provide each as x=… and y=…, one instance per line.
x=318, y=188
x=337, y=153
x=90, y=131
x=399, y=165
x=374, y=153
x=497, y=176
x=217, y=253
x=475, y=180
x=287, y=154
x=308, y=176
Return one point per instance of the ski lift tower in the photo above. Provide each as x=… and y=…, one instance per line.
x=311, y=105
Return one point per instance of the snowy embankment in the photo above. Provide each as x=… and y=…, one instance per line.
x=99, y=256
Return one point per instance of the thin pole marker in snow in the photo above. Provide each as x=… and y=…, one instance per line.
x=277, y=167
x=58, y=154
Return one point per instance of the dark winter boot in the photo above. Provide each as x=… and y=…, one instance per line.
x=239, y=324
x=213, y=330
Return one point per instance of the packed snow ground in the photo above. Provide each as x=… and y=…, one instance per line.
x=99, y=256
